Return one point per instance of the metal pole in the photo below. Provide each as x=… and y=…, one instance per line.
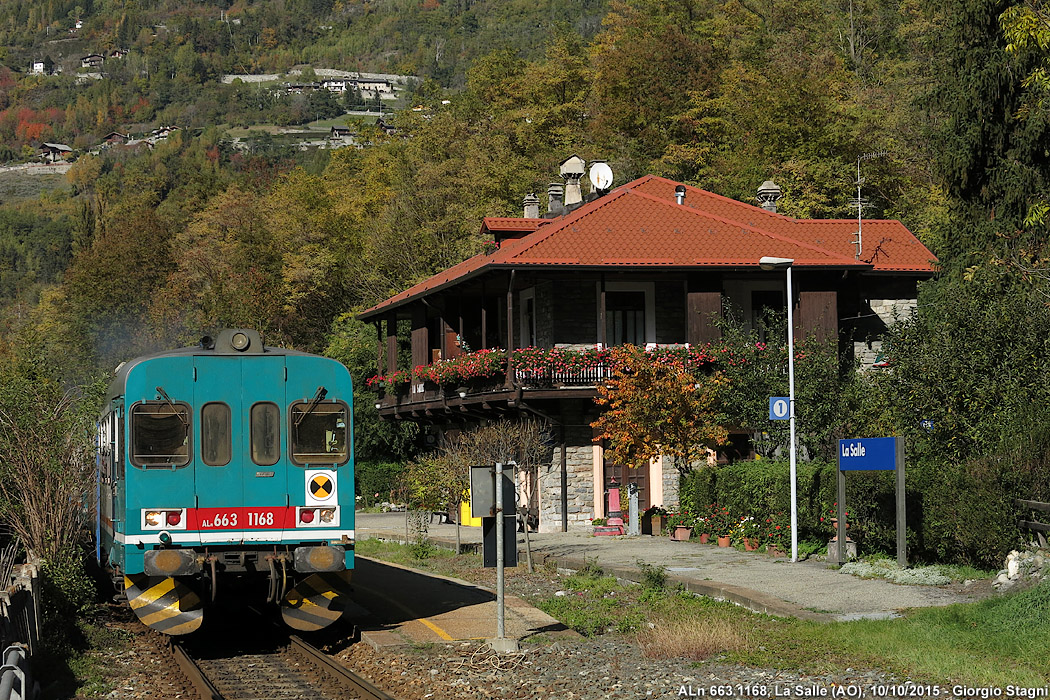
x=902, y=529
x=499, y=552
x=632, y=510
x=791, y=402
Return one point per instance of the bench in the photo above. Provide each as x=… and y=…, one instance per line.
x=1040, y=529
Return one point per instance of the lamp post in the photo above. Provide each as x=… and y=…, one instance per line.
x=769, y=263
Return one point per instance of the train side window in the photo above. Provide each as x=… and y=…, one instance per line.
x=216, y=441
x=319, y=432
x=266, y=434
x=160, y=434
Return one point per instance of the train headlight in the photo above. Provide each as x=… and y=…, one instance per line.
x=308, y=559
x=174, y=517
x=306, y=515
x=170, y=562
x=153, y=517
x=240, y=342
x=327, y=515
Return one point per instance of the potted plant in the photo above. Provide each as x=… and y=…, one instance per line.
x=680, y=525
x=653, y=520
x=703, y=526
x=747, y=531
x=778, y=535
x=722, y=523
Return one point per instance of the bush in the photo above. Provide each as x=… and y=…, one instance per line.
x=376, y=477
x=959, y=513
x=66, y=592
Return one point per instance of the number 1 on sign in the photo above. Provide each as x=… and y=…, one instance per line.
x=779, y=408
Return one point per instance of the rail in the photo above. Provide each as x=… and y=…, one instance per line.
x=1034, y=525
x=363, y=689
x=242, y=676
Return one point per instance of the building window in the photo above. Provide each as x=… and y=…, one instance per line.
x=266, y=434
x=160, y=434
x=765, y=305
x=625, y=317
x=216, y=438
x=528, y=318
x=319, y=433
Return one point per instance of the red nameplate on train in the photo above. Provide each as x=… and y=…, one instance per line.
x=241, y=518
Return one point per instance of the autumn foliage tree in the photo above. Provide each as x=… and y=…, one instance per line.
x=659, y=406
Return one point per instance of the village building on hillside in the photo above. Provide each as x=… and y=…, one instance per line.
x=651, y=263
x=92, y=60
x=53, y=152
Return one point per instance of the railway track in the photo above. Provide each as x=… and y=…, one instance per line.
x=298, y=672
x=268, y=668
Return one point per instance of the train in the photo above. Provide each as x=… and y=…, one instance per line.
x=227, y=465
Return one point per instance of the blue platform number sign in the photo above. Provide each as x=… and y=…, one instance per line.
x=862, y=454
x=779, y=408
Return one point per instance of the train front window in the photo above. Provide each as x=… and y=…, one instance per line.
x=266, y=434
x=215, y=434
x=160, y=434
x=319, y=433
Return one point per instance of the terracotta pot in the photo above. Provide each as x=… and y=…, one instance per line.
x=705, y=538
x=723, y=541
x=775, y=551
x=681, y=533
x=750, y=544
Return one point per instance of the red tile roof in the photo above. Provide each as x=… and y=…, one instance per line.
x=641, y=225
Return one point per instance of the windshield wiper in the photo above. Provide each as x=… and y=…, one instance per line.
x=164, y=395
x=321, y=393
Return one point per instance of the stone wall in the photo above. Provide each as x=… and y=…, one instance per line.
x=670, y=477
x=580, y=471
x=890, y=312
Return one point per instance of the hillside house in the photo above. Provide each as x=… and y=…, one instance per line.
x=375, y=85
x=92, y=60
x=53, y=152
x=652, y=263
x=338, y=84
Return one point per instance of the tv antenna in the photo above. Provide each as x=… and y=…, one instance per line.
x=860, y=202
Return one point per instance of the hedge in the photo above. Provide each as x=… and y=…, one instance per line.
x=960, y=513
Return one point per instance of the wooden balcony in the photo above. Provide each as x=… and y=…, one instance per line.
x=426, y=399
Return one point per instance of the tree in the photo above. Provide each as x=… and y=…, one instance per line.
x=658, y=407
x=46, y=451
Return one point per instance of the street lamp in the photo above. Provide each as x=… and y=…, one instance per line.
x=768, y=263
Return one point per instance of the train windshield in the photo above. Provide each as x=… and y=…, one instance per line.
x=319, y=433
x=160, y=434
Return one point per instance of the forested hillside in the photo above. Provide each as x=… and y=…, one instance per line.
x=149, y=248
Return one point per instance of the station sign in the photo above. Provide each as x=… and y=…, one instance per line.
x=779, y=408
x=864, y=454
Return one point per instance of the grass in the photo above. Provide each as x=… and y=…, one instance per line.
x=996, y=642
x=20, y=184
x=594, y=605
x=85, y=671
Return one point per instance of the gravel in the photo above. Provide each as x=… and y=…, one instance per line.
x=586, y=669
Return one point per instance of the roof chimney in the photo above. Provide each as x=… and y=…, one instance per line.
x=555, y=192
x=532, y=206
x=679, y=194
x=768, y=194
x=572, y=169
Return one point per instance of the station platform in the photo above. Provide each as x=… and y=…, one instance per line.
x=809, y=589
x=395, y=605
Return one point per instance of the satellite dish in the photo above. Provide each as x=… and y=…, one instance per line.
x=601, y=175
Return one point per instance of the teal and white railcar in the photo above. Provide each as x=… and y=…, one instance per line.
x=228, y=459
